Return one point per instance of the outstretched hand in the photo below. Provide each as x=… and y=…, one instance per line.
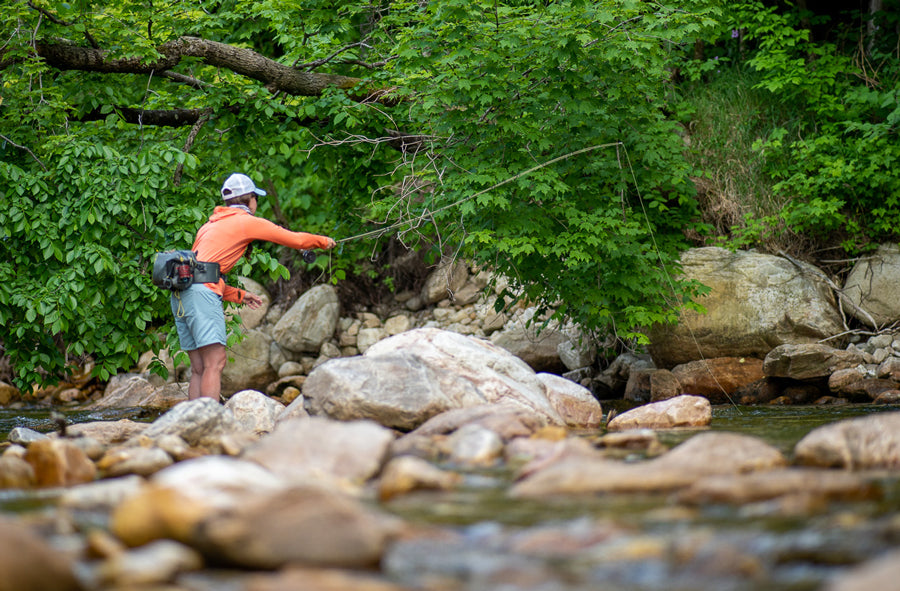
x=331, y=244
x=252, y=301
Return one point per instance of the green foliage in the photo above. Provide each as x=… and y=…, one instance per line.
x=77, y=240
x=573, y=92
x=833, y=163
x=504, y=89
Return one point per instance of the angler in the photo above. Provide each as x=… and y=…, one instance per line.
x=223, y=240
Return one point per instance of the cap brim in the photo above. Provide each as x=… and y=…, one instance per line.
x=259, y=192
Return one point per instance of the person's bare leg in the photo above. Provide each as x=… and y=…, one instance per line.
x=214, y=359
x=197, y=369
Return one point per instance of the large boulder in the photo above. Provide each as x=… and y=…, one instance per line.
x=406, y=379
x=310, y=322
x=873, y=287
x=756, y=302
x=248, y=364
x=252, y=317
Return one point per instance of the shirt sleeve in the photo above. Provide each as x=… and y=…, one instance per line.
x=263, y=229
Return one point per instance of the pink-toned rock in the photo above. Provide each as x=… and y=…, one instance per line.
x=28, y=563
x=681, y=411
x=307, y=526
x=574, y=403
x=705, y=454
x=828, y=485
x=865, y=442
x=716, y=379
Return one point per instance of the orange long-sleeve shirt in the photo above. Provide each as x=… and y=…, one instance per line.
x=225, y=237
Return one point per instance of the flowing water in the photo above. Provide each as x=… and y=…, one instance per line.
x=762, y=546
x=44, y=420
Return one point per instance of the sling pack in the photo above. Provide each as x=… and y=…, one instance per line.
x=177, y=270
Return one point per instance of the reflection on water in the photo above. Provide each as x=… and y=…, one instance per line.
x=784, y=426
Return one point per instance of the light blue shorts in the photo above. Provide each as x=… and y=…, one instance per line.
x=199, y=317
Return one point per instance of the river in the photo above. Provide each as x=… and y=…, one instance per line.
x=744, y=548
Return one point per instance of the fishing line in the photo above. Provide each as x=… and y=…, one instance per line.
x=415, y=222
x=430, y=213
x=672, y=283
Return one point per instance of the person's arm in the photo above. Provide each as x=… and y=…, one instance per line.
x=233, y=294
x=263, y=229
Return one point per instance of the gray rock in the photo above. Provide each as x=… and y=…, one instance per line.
x=324, y=452
x=444, y=282
x=125, y=391
x=24, y=436
x=397, y=390
x=310, y=321
x=756, y=303
x=251, y=318
x=808, y=361
x=255, y=412
x=248, y=365
x=873, y=285
x=533, y=343
x=199, y=422
x=404, y=380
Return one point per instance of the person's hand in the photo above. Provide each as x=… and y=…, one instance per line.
x=252, y=301
x=331, y=244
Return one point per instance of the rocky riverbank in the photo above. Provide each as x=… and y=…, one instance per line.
x=335, y=425
x=270, y=496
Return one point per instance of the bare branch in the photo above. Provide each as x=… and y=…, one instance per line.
x=189, y=142
x=187, y=80
x=15, y=145
x=54, y=19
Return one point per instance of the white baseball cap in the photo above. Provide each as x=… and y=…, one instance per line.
x=237, y=185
